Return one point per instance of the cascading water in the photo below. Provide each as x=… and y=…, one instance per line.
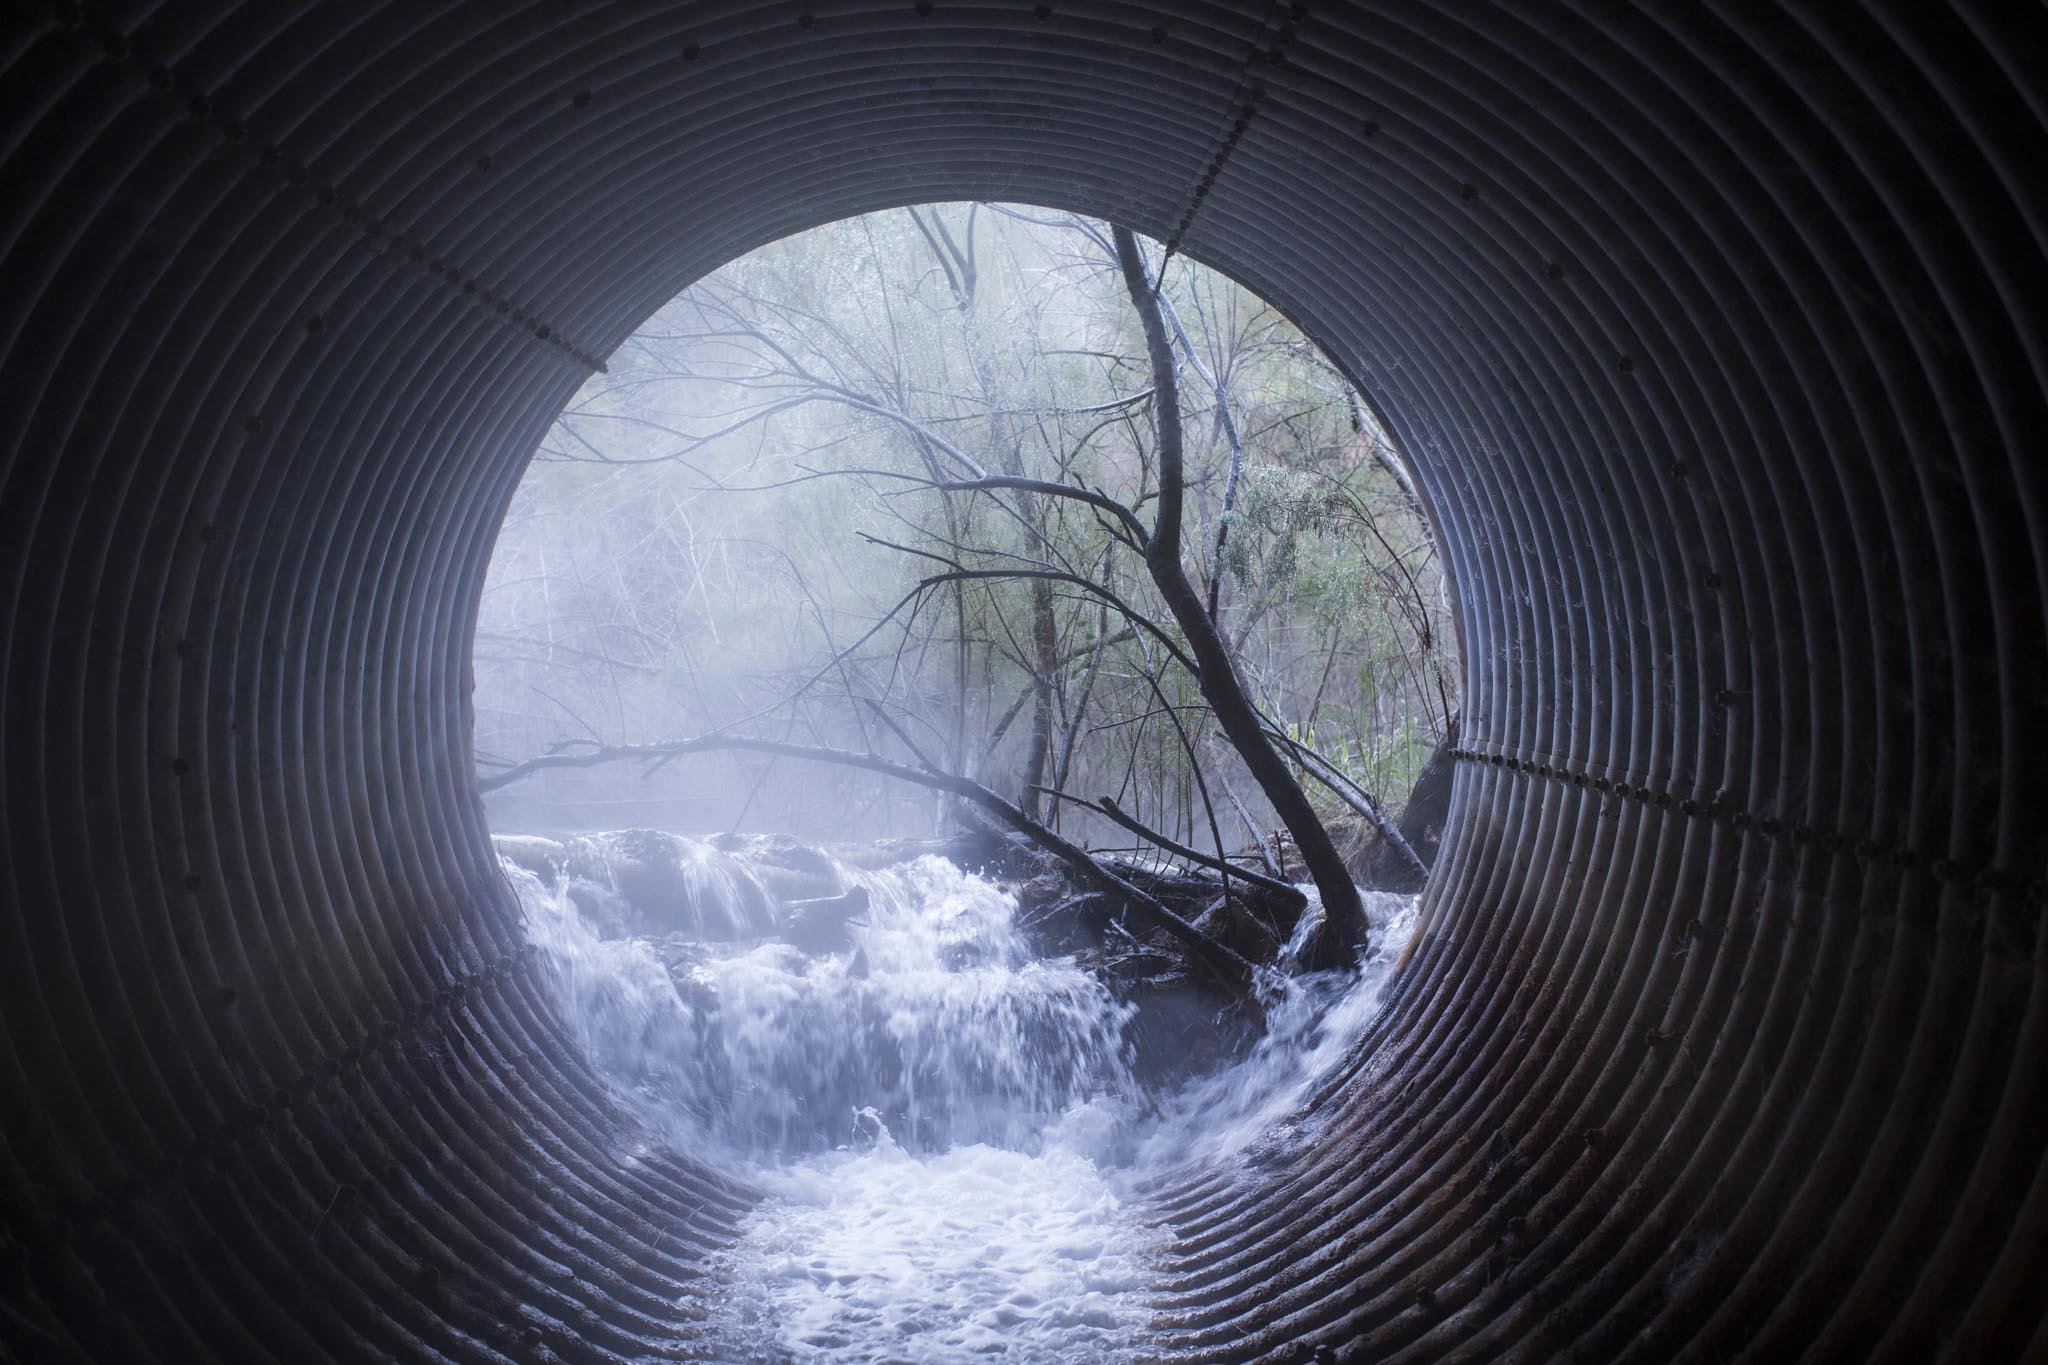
x=947, y=1127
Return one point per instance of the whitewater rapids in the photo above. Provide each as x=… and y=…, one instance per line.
x=946, y=1128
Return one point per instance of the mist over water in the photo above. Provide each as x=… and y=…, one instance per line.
x=948, y=1129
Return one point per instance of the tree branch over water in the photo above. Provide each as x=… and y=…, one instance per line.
x=1224, y=963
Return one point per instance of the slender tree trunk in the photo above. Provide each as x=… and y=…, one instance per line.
x=1045, y=645
x=961, y=276
x=1345, y=924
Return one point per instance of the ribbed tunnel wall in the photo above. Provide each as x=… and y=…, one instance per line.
x=1718, y=333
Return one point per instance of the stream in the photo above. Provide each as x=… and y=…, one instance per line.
x=948, y=1128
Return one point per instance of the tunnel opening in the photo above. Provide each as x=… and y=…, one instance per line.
x=953, y=1063
x=1708, y=330
x=703, y=543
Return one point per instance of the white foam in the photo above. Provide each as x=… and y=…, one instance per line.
x=976, y=1251
x=947, y=1129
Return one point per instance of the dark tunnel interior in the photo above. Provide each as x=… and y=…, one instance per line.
x=1717, y=335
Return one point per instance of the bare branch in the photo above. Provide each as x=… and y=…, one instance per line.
x=1352, y=795
x=1107, y=807
x=1052, y=490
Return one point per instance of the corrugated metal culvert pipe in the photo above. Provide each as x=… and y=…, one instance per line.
x=1718, y=331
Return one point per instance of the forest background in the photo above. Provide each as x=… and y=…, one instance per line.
x=735, y=528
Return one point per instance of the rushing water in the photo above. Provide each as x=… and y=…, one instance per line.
x=947, y=1126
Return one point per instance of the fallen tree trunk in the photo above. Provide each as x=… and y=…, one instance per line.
x=1107, y=807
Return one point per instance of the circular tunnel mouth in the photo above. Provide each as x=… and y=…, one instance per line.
x=856, y=961
x=1706, y=330
x=648, y=547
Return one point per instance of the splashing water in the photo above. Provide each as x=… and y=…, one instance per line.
x=947, y=1127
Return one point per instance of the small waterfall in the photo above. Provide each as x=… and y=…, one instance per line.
x=948, y=1124
x=932, y=1011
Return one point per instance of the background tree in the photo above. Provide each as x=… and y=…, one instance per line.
x=834, y=483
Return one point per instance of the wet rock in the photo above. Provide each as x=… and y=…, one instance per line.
x=1230, y=921
x=668, y=884
x=608, y=914
x=540, y=856
x=824, y=925
x=1374, y=862
x=1181, y=1029
x=789, y=868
